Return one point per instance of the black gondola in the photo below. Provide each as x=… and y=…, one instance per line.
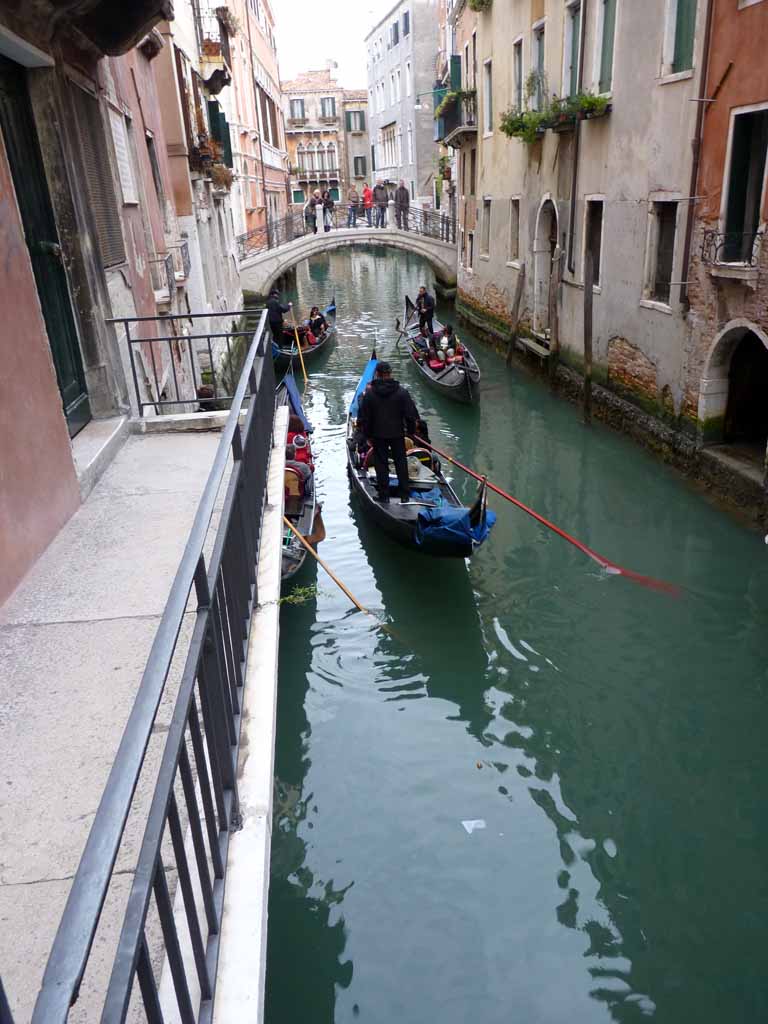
x=433, y=520
x=456, y=377
x=286, y=354
x=301, y=506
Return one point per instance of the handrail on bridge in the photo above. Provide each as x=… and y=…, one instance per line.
x=437, y=224
x=197, y=779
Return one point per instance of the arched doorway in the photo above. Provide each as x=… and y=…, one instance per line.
x=544, y=246
x=733, y=405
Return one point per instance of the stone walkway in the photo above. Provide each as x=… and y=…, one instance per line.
x=74, y=639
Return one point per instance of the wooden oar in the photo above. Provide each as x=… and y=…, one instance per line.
x=605, y=563
x=298, y=346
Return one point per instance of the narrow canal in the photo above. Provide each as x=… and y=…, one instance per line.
x=611, y=739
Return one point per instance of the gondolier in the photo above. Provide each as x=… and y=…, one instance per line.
x=425, y=304
x=387, y=412
x=275, y=310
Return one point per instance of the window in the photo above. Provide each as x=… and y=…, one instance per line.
x=463, y=173
x=359, y=166
x=392, y=89
x=471, y=249
x=156, y=177
x=406, y=23
x=488, y=95
x=537, y=100
x=334, y=194
x=472, y=171
x=608, y=31
x=474, y=60
x=297, y=110
x=355, y=120
x=389, y=144
x=410, y=143
x=298, y=196
x=514, y=230
x=746, y=176
x=517, y=67
x=397, y=84
x=413, y=190
x=593, y=237
x=485, y=228
x=120, y=137
x=395, y=33
x=328, y=106
x=98, y=175
x=685, y=25
x=408, y=78
x=331, y=157
x=661, y=251
x=572, y=43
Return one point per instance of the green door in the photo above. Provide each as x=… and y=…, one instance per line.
x=18, y=130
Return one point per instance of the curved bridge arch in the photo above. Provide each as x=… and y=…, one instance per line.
x=259, y=272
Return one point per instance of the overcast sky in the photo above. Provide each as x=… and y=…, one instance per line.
x=309, y=33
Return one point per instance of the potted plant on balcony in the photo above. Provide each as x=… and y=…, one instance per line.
x=222, y=177
x=562, y=113
x=587, y=106
x=452, y=97
x=480, y=5
x=525, y=125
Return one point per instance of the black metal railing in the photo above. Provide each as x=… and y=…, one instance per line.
x=166, y=368
x=731, y=247
x=461, y=114
x=437, y=224
x=196, y=782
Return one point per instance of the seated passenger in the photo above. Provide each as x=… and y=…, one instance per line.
x=317, y=322
x=303, y=454
x=291, y=462
x=423, y=339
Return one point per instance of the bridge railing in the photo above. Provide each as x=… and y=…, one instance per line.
x=278, y=232
x=201, y=642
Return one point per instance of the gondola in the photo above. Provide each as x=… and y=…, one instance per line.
x=433, y=520
x=301, y=506
x=286, y=354
x=457, y=377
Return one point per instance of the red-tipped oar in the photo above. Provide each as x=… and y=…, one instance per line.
x=605, y=563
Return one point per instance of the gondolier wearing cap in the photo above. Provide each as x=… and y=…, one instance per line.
x=275, y=310
x=386, y=414
x=425, y=304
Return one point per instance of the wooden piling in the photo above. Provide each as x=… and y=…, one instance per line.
x=554, y=315
x=589, y=277
x=516, y=304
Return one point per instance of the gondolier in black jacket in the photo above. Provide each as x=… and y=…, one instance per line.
x=425, y=304
x=275, y=310
x=387, y=412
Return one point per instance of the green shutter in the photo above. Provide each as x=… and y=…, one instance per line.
x=348, y=119
x=225, y=139
x=606, y=51
x=362, y=120
x=455, y=73
x=685, y=25
x=363, y=162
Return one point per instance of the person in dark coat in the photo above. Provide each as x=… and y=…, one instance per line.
x=275, y=310
x=402, y=205
x=425, y=304
x=381, y=201
x=387, y=412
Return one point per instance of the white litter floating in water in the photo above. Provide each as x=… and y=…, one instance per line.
x=610, y=847
x=471, y=826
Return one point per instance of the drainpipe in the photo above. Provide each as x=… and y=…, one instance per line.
x=261, y=148
x=576, y=143
x=702, y=104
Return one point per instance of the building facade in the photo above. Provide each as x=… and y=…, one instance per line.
x=575, y=129
x=313, y=105
x=401, y=67
x=726, y=368
x=357, y=146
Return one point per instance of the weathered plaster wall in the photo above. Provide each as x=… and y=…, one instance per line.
x=38, y=485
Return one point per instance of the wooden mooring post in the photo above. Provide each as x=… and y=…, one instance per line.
x=554, y=315
x=516, y=304
x=589, y=278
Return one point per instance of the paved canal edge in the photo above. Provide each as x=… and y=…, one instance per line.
x=242, y=965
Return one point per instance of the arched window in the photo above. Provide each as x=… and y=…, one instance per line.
x=410, y=142
x=331, y=155
x=301, y=157
x=320, y=157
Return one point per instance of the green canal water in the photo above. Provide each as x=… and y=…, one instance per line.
x=611, y=739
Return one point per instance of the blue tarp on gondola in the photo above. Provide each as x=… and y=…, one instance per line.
x=364, y=382
x=295, y=401
x=453, y=527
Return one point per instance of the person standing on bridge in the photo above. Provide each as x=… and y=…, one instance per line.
x=381, y=199
x=402, y=206
x=425, y=304
x=310, y=211
x=353, y=198
x=387, y=412
x=328, y=207
x=368, y=203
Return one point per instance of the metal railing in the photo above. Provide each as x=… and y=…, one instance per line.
x=197, y=778
x=461, y=114
x=731, y=247
x=437, y=224
x=166, y=367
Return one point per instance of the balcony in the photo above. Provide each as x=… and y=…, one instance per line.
x=297, y=122
x=732, y=254
x=306, y=175
x=330, y=120
x=458, y=123
x=213, y=32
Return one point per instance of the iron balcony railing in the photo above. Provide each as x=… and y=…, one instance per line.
x=212, y=597
x=731, y=247
x=437, y=224
x=458, y=119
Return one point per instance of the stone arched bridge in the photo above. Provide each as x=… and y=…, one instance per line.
x=259, y=271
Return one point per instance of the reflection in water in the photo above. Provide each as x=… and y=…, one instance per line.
x=612, y=739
